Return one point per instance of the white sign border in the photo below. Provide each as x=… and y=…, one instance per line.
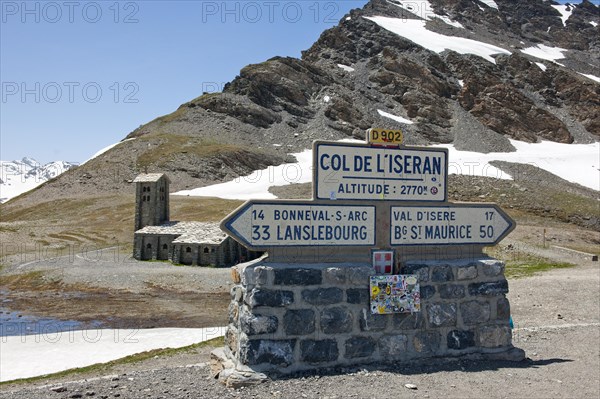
x=511, y=223
x=315, y=177
x=226, y=224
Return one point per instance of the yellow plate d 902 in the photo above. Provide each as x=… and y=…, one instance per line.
x=384, y=137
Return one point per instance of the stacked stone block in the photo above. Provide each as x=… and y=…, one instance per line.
x=290, y=317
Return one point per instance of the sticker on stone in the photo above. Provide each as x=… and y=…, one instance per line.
x=395, y=294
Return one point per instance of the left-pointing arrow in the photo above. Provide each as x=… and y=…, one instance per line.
x=263, y=224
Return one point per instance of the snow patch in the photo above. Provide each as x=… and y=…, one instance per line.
x=545, y=53
x=326, y=99
x=346, y=67
x=594, y=24
x=565, y=11
x=461, y=82
x=27, y=356
x=567, y=161
x=102, y=151
x=424, y=10
x=394, y=117
x=18, y=177
x=420, y=8
x=542, y=66
x=450, y=22
x=489, y=3
x=593, y=77
x=415, y=31
x=256, y=185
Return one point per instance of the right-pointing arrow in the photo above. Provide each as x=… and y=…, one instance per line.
x=452, y=224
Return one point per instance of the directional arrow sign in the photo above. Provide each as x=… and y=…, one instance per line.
x=452, y=224
x=264, y=224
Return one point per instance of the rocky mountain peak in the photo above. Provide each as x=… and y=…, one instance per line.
x=470, y=72
x=514, y=95
x=17, y=177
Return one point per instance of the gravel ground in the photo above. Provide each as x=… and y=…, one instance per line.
x=111, y=290
x=556, y=319
x=563, y=364
x=112, y=269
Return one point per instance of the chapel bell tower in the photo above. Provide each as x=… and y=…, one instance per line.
x=152, y=199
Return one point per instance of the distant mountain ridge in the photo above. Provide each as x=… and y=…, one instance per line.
x=17, y=177
x=468, y=72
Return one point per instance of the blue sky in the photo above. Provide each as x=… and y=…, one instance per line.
x=78, y=76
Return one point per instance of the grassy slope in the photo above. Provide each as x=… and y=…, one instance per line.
x=163, y=147
x=522, y=264
x=56, y=226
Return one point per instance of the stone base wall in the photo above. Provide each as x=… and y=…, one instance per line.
x=290, y=317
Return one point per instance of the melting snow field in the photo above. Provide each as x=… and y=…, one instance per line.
x=423, y=9
x=577, y=163
x=489, y=3
x=256, y=184
x=594, y=78
x=544, y=52
x=17, y=177
x=346, y=67
x=102, y=151
x=9, y=190
x=415, y=31
x=565, y=14
x=26, y=356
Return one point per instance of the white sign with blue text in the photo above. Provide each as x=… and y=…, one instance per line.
x=263, y=224
x=455, y=224
x=360, y=172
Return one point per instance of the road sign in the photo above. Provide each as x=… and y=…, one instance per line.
x=360, y=172
x=452, y=224
x=278, y=223
x=384, y=137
